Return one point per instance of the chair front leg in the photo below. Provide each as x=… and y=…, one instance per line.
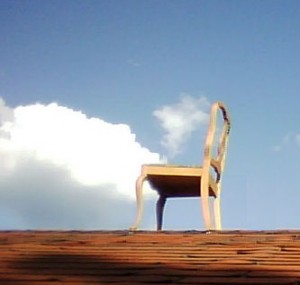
x=160, y=205
x=139, y=201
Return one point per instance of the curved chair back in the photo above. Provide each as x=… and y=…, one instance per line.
x=216, y=162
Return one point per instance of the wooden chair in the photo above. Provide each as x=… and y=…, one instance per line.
x=172, y=181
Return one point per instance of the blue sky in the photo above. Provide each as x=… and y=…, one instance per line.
x=119, y=61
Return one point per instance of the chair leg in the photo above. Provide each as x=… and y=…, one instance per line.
x=160, y=205
x=139, y=201
x=217, y=213
x=206, y=211
x=204, y=193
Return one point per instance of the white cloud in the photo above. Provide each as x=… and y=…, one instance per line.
x=62, y=169
x=289, y=140
x=6, y=113
x=180, y=120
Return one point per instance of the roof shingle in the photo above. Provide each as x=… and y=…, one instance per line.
x=123, y=257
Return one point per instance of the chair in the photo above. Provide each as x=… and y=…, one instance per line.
x=173, y=181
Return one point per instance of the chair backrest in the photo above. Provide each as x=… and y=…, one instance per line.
x=217, y=162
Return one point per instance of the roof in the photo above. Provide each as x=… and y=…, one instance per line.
x=123, y=257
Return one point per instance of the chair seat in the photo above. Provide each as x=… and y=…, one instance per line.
x=177, y=181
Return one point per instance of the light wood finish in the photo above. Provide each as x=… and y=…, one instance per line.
x=171, y=181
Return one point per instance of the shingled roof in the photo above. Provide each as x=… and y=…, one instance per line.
x=123, y=257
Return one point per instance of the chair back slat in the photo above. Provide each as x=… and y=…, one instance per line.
x=223, y=140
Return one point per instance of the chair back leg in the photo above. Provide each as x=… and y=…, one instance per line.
x=204, y=194
x=217, y=213
x=206, y=211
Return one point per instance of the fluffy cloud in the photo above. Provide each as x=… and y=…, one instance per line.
x=61, y=169
x=180, y=120
x=288, y=140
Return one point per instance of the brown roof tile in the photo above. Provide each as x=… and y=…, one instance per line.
x=122, y=257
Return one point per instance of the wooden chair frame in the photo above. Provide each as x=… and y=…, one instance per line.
x=183, y=181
